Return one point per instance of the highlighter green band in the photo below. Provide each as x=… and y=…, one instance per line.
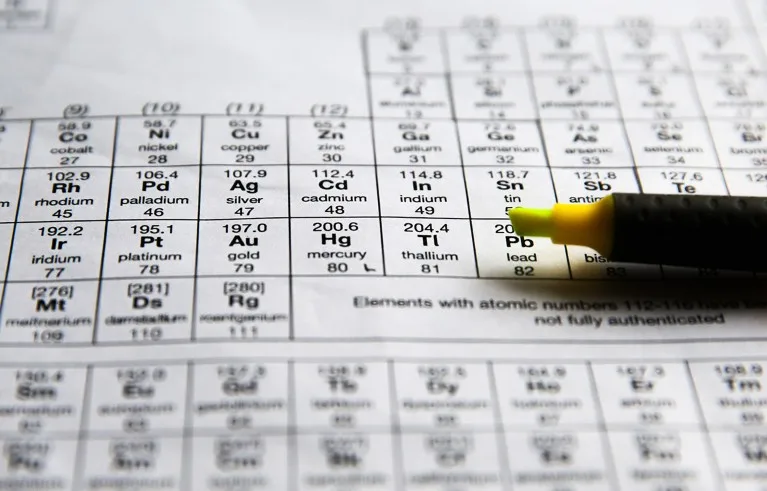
x=682, y=230
x=585, y=225
x=534, y=222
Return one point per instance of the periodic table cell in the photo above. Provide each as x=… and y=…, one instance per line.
x=482, y=46
x=317, y=190
x=741, y=143
x=493, y=96
x=243, y=308
x=74, y=142
x=400, y=48
x=451, y=456
x=733, y=95
x=157, y=142
x=138, y=398
x=431, y=393
x=646, y=394
x=671, y=144
x=243, y=247
x=563, y=46
x=59, y=311
x=63, y=195
x=655, y=96
x=410, y=96
x=731, y=393
x=542, y=456
x=503, y=254
x=740, y=454
x=722, y=48
x=342, y=395
x=35, y=462
x=643, y=48
x=651, y=460
x=575, y=96
x=132, y=315
x=417, y=191
x=244, y=192
x=743, y=182
x=332, y=141
x=244, y=140
x=587, y=144
x=501, y=143
x=134, y=461
x=682, y=181
x=541, y=395
x=495, y=190
x=428, y=247
x=233, y=397
x=418, y=142
x=25, y=407
x=227, y=461
x=347, y=456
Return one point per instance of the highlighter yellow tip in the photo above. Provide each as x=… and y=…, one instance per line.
x=533, y=222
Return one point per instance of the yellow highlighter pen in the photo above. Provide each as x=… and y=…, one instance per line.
x=680, y=230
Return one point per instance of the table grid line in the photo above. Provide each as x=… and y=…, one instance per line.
x=94, y=338
x=371, y=125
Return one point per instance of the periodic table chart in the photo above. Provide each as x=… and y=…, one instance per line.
x=276, y=256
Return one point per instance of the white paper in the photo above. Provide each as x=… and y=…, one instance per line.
x=263, y=246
